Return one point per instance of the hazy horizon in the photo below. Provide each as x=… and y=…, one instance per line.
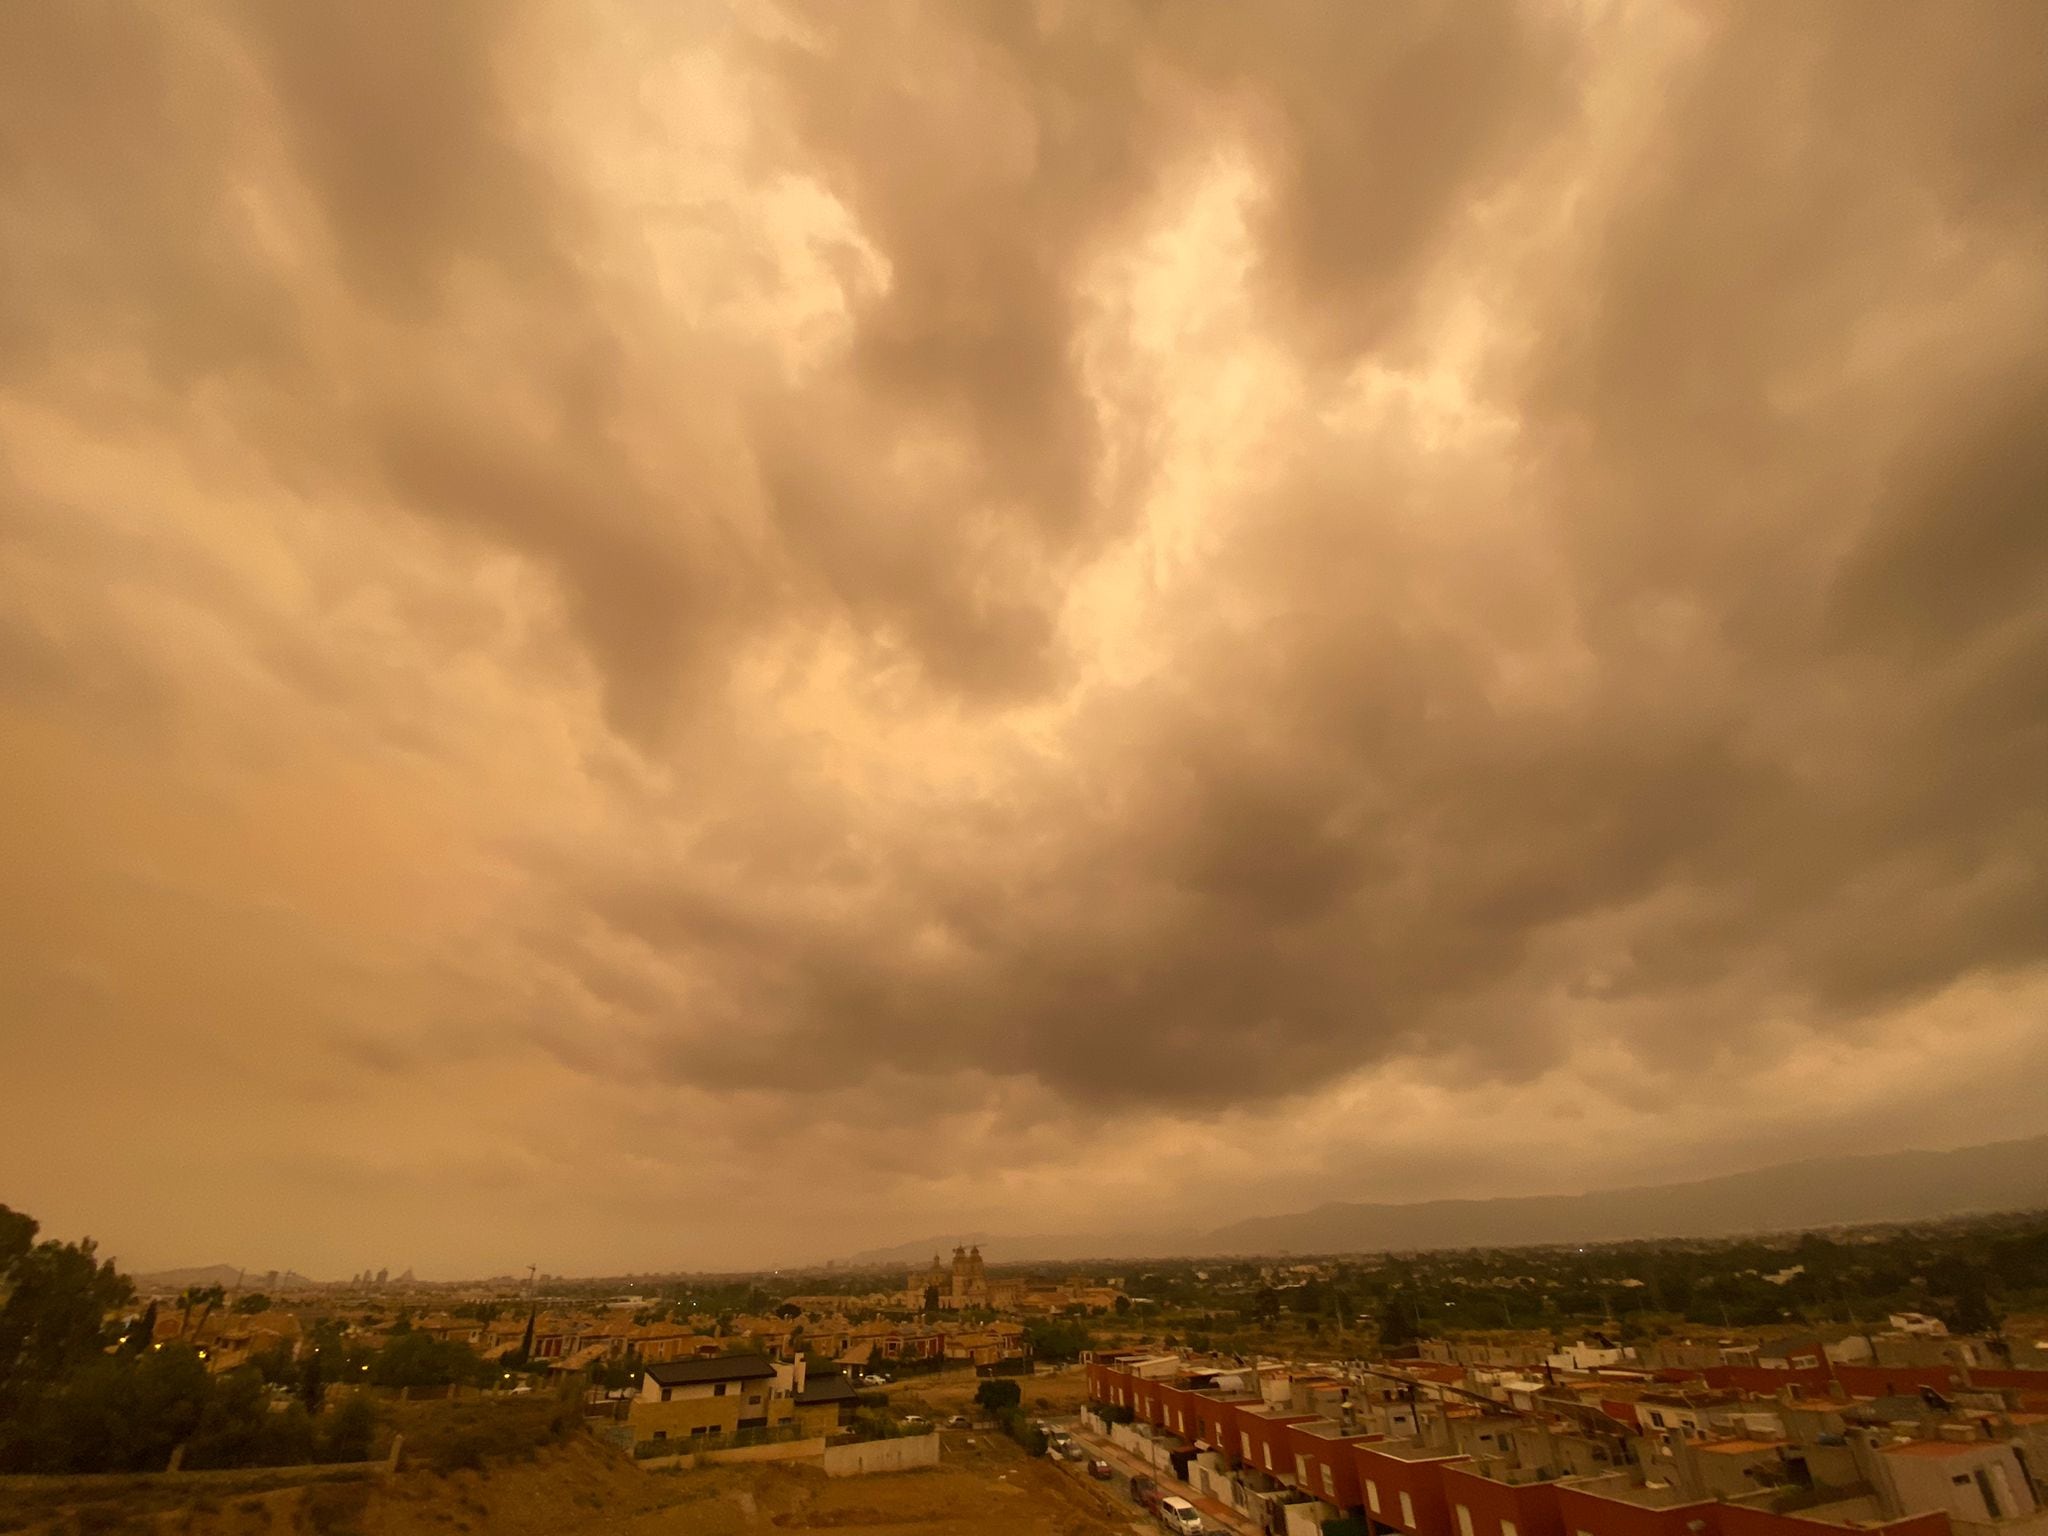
x=674, y=634
x=1138, y=1245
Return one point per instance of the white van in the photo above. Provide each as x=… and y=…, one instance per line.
x=1180, y=1515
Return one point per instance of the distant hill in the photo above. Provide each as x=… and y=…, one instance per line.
x=216, y=1274
x=1887, y=1186
x=1819, y=1192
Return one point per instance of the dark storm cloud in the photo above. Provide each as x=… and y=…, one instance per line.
x=1040, y=556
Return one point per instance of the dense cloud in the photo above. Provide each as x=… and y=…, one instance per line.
x=720, y=634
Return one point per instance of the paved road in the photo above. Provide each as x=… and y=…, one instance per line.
x=1124, y=1466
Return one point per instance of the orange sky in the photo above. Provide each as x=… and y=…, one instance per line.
x=650, y=635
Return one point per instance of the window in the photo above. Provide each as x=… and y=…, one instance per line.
x=719, y=1390
x=664, y=1394
x=1507, y=1527
x=661, y=1434
x=1407, y=1511
x=1244, y=1440
x=1464, y=1521
x=1329, y=1484
x=1269, y=1458
x=1372, y=1495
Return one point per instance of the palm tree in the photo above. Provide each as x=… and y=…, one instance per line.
x=209, y=1297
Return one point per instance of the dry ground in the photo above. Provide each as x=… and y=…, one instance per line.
x=985, y=1483
x=1053, y=1396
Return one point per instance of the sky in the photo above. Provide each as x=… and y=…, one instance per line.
x=677, y=636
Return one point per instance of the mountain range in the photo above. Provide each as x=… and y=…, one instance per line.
x=223, y=1275
x=1816, y=1192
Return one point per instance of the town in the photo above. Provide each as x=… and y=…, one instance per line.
x=1891, y=1377
x=1905, y=1429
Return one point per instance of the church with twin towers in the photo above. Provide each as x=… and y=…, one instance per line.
x=959, y=1287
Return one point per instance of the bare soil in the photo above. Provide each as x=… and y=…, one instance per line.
x=582, y=1488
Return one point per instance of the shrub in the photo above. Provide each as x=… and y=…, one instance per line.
x=349, y=1432
x=996, y=1395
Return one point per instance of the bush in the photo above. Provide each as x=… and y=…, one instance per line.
x=421, y=1360
x=1020, y=1429
x=446, y=1436
x=996, y=1395
x=349, y=1432
x=126, y=1413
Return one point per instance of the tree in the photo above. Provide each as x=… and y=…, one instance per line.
x=789, y=1311
x=143, y=1333
x=1123, y=1305
x=312, y=1381
x=525, y=1350
x=1057, y=1338
x=931, y=1298
x=252, y=1303
x=1972, y=1312
x=351, y=1430
x=205, y=1298
x=53, y=1322
x=421, y=1360
x=1399, y=1326
x=1266, y=1305
x=17, y=1237
x=999, y=1393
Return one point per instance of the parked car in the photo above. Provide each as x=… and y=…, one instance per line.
x=916, y=1421
x=958, y=1421
x=1145, y=1491
x=1100, y=1470
x=1180, y=1517
x=1073, y=1450
x=874, y=1381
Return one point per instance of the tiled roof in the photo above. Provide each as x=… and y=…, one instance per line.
x=676, y=1373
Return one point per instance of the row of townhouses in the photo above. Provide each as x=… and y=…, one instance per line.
x=1432, y=1448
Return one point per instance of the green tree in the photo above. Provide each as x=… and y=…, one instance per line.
x=931, y=1298
x=1123, y=1305
x=1399, y=1325
x=351, y=1430
x=203, y=1297
x=421, y=1360
x=1057, y=1338
x=313, y=1380
x=999, y=1393
x=276, y=1363
x=143, y=1333
x=1972, y=1312
x=252, y=1303
x=53, y=1321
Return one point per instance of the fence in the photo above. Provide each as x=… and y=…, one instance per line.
x=773, y=1450
x=732, y=1440
x=899, y=1454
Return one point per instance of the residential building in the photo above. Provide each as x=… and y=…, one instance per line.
x=702, y=1399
